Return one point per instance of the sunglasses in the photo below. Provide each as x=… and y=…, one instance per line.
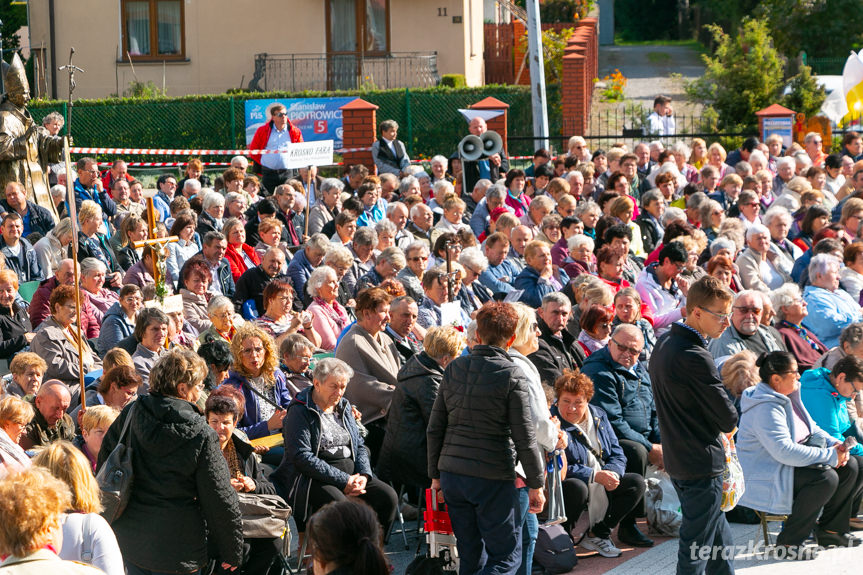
x=626, y=348
x=747, y=310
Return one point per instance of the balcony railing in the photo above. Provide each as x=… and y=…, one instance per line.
x=322, y=72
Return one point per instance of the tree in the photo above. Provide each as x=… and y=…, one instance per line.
x=806, y=95
x=820, y=28
x=743, y=76
x=13, y=17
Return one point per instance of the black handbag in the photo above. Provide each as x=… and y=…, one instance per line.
x=116, y=475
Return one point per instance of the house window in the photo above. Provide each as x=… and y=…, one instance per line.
x=350, y=20
x=153, y=29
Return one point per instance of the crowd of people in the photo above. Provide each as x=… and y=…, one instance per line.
x=623, y=310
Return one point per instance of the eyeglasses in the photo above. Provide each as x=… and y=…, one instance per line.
x=626, y=348
x=418, y=259
x=719, y=316
x=747, y=310
x=280, y=115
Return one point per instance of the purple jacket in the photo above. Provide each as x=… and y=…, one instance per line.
x=251, y=422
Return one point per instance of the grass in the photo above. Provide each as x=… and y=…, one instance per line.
x=658, y=57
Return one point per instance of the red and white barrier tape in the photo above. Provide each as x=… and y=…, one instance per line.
x=175, y=152
x=162, y=164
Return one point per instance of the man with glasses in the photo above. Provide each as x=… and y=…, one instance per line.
x=558, y=350
x=276, y=134
x=622, y=388
x=411, y=276
x=661, y=289
x=693, y=408
x=88, y=186
x=403, y=318
x=812, y=144
x=746, y=331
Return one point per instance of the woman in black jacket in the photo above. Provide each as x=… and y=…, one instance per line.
x=404, y=457
x=181, y=497
x=15, y=330
x=223, y=410
x=325, y=458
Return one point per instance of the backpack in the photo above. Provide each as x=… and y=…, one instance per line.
x=554, y=550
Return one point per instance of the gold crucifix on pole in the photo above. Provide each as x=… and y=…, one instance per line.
x=157, y=247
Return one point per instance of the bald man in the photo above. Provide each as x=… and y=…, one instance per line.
x=490, y=168
x=51, y=422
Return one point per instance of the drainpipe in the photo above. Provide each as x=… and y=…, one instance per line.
x=53, y=49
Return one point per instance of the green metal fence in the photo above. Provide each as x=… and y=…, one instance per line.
x=825, y=66
x=429, y=119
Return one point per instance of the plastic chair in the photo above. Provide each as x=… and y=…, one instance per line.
x=27, y=289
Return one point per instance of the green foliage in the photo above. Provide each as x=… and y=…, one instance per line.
x=215, y=121
x=144, y=90
x=13, y=17
x=820, y=28
x=553, y=11
x=743, y=76
x=453, y=81
x=806, y=94
x=553, y=46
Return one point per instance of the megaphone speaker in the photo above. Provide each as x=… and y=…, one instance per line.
x=492, y=143
x=471, y=148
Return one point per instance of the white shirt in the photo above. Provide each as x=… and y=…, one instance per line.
x=661, y=125
x=278, y=139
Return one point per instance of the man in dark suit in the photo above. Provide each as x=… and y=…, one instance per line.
x=558, y=350
x=491, y=168
x=388, y=153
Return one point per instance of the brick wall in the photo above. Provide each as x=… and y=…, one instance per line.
x=359, y=122
x=580, y=67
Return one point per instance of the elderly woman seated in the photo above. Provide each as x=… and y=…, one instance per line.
x=93, y=283
x=57, y=341
x=596, y=479
x=223, y=320
x=27, y=371
x=15, y=416
x=15, y=331
x=223, y=410
x=296, y=353
x=404, y=457
x=830, y=307
x=279, y=320
x=387, y=265
x=792, y=467
x=256, y=373
x=329, y=317
x=581, y=259
x=791, y=310
x=196, y=279
x=325, y=456
x=119, y=321
x=374, y=359
x=758, y=264
x=151, y=333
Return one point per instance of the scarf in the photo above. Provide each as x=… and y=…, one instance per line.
x=230, y=454
x=12, y=453
x=801, y=331
x=335, y=312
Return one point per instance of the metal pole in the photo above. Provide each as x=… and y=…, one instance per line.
x=70, y=199
x=537, y=75
x=308, y=199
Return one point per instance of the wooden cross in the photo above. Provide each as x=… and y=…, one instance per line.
x=154, y=243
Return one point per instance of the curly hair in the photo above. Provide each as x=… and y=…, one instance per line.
x=271, y=358
x=575, y=382
x=61, y=295
x=31, y=504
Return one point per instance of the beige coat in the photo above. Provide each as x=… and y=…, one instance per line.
x=376, y=366
x=195, y=310
x=44, y=561
x=52, y=345
x=749, y=264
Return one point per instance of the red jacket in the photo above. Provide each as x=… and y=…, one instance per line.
x=39, y=309
x=108, y=182
x=262, y=136
x=235, y=258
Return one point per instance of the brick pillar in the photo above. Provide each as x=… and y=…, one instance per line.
x=573, y=93
x=498, y=124
x=359, y=125
x=518, y=52
x=592, y=25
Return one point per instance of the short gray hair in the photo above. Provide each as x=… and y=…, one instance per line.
x=557, y=298
x=53, y=117
x=756, y=229
x=696, y=200
x=318, y=277
x=439, y=159
x=416, y=246
x=473, y=259
x=496, y=191
x=391, y=207
x=722, y=242
x=339, y=255
x=91, y=265
x=579, y=240
x=213, y=199
x=365, y=236
x=295, y=343
x=681, y=148
x=783, y=161
x=443, y=186
x=651, y=196
x=852, y=334
x=783, y=296
x=385, y=226
x=193, y=184
x=393, y=256
x=776, y=212
x=589, y=206
x=671, y=214
x=331, y=366
x=62, y=228
x=407, y=183
x=707, y=209
x=318, y=242
x=330, y=183
x=219, y=302
x=821, y=264
x=388, y=125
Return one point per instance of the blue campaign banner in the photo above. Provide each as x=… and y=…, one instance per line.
x=317, y=118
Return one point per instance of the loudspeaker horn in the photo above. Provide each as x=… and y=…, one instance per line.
x=492, y=143
x=471, y=148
